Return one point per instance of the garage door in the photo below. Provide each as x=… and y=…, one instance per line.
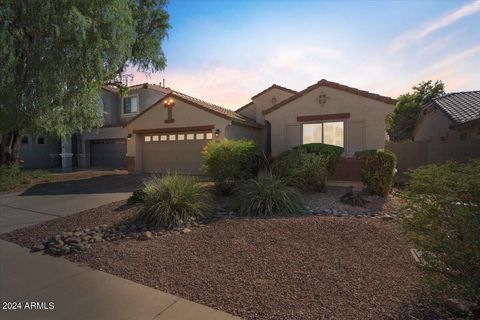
x=109, y=153
x=174, y=152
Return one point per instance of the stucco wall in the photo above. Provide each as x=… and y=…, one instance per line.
x=364, y=113
x=265, y=101
x=37, y=155
x=434, y=125
x=184, y=115
x=110, y=104
x=146, y=97
x=250, y=111
x=237, y=132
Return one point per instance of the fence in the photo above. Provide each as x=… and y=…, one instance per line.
x=411, y=155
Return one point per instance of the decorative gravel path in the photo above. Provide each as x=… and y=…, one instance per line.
x=312, y=267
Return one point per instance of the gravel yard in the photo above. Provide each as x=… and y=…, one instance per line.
x=312, y=267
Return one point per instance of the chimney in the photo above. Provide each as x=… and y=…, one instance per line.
x=163, y=82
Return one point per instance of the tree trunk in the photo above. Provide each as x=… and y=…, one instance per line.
x=10, y=147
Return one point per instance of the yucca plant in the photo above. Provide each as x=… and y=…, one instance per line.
x=172, y=200
x=267, y=196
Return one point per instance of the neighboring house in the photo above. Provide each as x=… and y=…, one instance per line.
x=451, y=118
x=157, y=129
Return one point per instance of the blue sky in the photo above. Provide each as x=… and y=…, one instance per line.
x=227, y=51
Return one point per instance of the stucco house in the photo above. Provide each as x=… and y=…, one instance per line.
x=451, y=118
x=157, y=129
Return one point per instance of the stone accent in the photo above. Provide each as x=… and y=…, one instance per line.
x=130, y=163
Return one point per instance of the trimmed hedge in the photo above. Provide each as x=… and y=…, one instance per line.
x=378, y=169
x=230, y=161
x=301, y=169
x=330, y=152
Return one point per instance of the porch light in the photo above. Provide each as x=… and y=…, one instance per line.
x=129, y=137
x=169, y=103
x=217, y=133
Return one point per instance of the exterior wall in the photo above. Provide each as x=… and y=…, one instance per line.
x=236, y=131
x=265, y=101
x=435, y=126
x=36, y=155
x=110, y=105
x=364, y=113
x=146, y=97
x=249, y=112
x=184, y=115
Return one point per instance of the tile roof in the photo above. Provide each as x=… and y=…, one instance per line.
x=460, y=107
x=274, y=86
x=207, y=106
x=334, y=85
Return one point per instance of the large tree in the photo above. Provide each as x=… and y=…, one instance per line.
x=403, y=120
x=57, y=54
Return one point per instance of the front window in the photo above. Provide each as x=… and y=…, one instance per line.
x=130, y=104
x=326, y=132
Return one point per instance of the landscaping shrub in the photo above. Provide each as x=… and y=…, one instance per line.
x=137, y=196
x=442, y=213
x=378, y=168
x=330, y=152
x=301, y=169
x=173, y=200
x=229, y=161
x=12, y=176
x=267, y=196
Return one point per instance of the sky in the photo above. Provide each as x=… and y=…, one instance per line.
x=227, y=51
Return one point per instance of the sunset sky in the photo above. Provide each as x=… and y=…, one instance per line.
x=227, y=51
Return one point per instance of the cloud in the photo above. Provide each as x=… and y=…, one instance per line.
x=413, y=35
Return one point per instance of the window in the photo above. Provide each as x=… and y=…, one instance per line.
x=200, y=136
x=25, y=140
x=163, y=137
x=172, y=137
x=154, y=138
x=148, y=138
x=181, y=137
x=209, y=136
x=40, y=140
x=130, y=104
x=190, y=136
x=326, y=132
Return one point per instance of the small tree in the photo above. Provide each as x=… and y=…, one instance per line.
x=56, y=55
x=403, y=120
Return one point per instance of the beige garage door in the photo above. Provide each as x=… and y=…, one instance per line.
x=174, y=152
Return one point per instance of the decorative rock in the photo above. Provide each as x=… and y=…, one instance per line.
x=458, y=306
x=147, y=235
x=185, y=231
x=387, y=217
x=38, y=247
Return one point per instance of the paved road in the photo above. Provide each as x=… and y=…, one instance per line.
x=52, y=200
x=77, y=292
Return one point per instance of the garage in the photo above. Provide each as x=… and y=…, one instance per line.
x=109, y=153
x=178, y=152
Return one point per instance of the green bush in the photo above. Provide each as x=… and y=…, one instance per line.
x=137, y=196
x=267, y=196
x=172, y=200
x=378, y=169
x=330, y=152
x=442, y=213
x=12, y=176
x=301, y=169
x=229, y=161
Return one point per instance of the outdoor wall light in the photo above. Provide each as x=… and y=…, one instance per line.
x=169, y=103
x=217, y=133
x=129, y=137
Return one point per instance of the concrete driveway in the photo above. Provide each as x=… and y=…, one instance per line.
x=52, y=200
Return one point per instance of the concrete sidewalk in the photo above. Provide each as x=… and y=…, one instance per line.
x=79, y=292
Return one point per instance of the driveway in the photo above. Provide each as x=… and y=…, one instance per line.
x=48, y=201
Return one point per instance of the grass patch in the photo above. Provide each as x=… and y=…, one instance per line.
x=13, y=177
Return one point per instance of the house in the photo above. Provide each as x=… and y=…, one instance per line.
x=157, y=129
x=450, y=118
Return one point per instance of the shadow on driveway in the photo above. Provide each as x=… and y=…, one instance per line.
x=103, y=184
